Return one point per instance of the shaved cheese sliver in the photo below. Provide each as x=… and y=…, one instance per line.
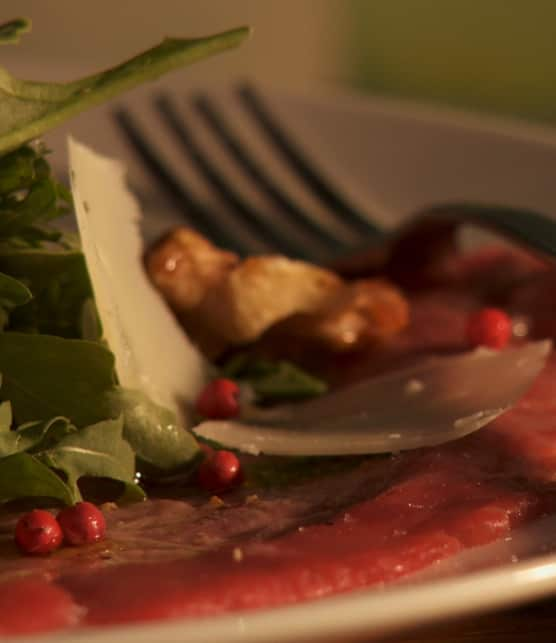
x=438, y=400
x=152, y=351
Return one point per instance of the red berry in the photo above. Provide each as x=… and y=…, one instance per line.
x=38, y=532
x=219, y=400
x=219, y=472
x=490, y=327
x=82, y=524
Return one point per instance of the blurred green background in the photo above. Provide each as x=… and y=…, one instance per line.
x=497, y=56
x=490, y=55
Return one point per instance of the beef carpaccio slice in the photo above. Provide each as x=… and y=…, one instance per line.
x=372, y=522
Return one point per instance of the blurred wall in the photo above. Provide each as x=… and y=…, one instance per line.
x=294, y=42
x=489, y=55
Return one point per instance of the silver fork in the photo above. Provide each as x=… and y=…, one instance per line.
x=298, y=232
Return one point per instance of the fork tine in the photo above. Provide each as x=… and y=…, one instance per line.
x=320, y=187
x=270, y=231
x=193, y=211
x=297, y=216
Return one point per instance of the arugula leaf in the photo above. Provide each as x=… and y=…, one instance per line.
x=29, y=199
x=89, y=323
x=33, y=435
x=28, y=109
x=20, y=169
x=20, y=218
x=5, y=416
x=45, y=376
x=39, y=436
x=10, y=31
x=13, y=293
x=23, y=476
x=161, y=444
x=274, y=381
x=98, y=450
x=60, y=285
x=287, y=382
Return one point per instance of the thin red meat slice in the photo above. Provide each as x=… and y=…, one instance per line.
x=441, y=507
x=32, y=605
x=527, y=433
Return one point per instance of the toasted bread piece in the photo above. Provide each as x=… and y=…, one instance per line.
x=262, y=291
x=362, y=313
x=223, y=302
x=184, y=265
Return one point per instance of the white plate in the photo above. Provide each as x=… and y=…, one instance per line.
x=391, y=159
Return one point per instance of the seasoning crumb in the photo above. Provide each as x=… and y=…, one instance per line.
x=414, y=386
x=108, y=506
x=216, y=501
x=301, y=528
x=237, y=554
x=520, y=326
x=251, y=499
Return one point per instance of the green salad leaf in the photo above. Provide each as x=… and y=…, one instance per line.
x=20, y=169
x=5, y=417
x=98, y=450
x=274, y=381
x=30, y=199
x=10, y=31
x=13, y=293
x=45, y=376
x=28, y=109
x=63, y=416
x=60, y=288
x=32, y=435
x=161, y=444
x=24, y=476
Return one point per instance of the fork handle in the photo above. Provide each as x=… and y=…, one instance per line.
x=430, y=235
x=525, y=227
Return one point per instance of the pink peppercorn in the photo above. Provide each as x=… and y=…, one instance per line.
x=219, y=471
x=38, y=532
x=489, y=327
x=219, y=400
x=82, y=524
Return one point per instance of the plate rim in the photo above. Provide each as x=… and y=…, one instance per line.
x=518, y=128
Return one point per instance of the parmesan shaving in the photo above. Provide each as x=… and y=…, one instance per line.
x=459, y=394
x=153, y=354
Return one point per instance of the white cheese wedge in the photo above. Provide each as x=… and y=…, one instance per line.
x=153, y=353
